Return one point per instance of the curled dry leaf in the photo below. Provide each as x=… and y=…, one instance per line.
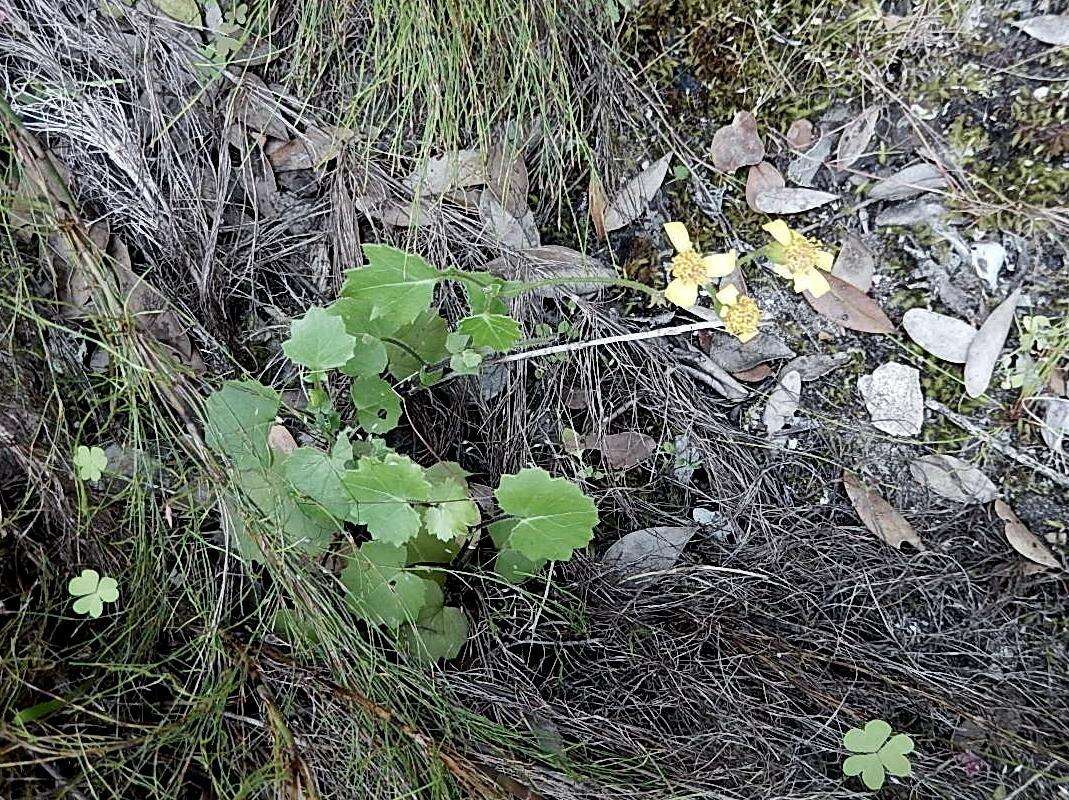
x=1056, y=423
x=791, y=200
x=281, y=440
x=735, y=356
x=953, y=479
x=856, y=137
x=782, y=403
x=1049, y=28
x=800, y=135
x=909, y=182
x=878, y=515
x=852, y=309
x=647, y=550
x=855, y=263
x=987, y=345
x=946, y=338
x=1023, y=540
x=633, y=200
x=458, y=169
x=622, y=450
x=737, y=145
x=759, y=179
x=598, y=203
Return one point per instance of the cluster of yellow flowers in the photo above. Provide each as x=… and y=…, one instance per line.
x=793, y=255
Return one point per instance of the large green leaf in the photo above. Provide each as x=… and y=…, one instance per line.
x=237, y=419
x=369, y=357
x=495, y=331
x=452, y=511
x=319, y=341
x=398, y=285
x=439, y=634
x=356, y=313
x=274, y=511
x=382, y=591
x=417, y=344
x=378, y=406
x=553, y=516
x=384, y=491
x=317, y=476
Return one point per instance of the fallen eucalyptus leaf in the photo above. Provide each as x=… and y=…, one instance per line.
x=518, y=233
x=803, y=168
x=280, y=440
x=754, y=374
x=1049, y=28
x=791, y=200
x=737, y=145
x=598, y=203
x=735, y=356
x=647, y=550
x=953, y=479
x=892, y=395
x=878, y=515
x=635, y=197
x=761, y=178
x=782, y=403
x=1023, y=540
x=913, y=212
x=856, y=137
x=800, y=135
x=912, y=180
x=987, y=259
x=456, y=170
x=809, y=368
x=986, y=346
x=855, y=263
x=1056, y=423
x=852, y=309
x=507, y=179
x=622, y=450
x=946, y=338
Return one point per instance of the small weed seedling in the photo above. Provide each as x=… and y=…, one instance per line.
x=92, y=592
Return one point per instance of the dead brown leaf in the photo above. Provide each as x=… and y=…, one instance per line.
x=761, y=178
x=852, y=309
x=633, y=200
x=878, y=515
x=622, y=450
x=598, y=203
x=800, y=135
x=1023, y=540
x=737, y=145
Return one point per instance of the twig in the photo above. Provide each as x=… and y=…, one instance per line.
x=1007, y=450
x=572, y=347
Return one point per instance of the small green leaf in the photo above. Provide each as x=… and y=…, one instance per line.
x=185, y=11
x=513, y=566
x=440, y=634
x=484, y=294
x=553, y=516
x=466, y=362
x=457, y=342
x=319, y=341
x=90, y=462
x=398, y=285
x=384, y=492
x=92, y=591
x=378, y=406
x=495, y=331
x=453, y=510
x=356, y=313
x=876, y=754
x=238, y=417
x=318, y=477
x=868, y=740
x=382, y=591
x=417, y=345
x=281, y=519
x=369, y=357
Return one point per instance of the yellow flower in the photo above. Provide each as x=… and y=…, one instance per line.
x=690, y=269
x=739, y=312
x=799, y=258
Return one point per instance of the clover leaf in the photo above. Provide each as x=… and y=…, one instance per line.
x=384, y=491
x=876, y=755
x=92, y=592
x=89, y=462
x=399, y=285
x=319, y=341
x=553, y=516
x=495, y=331
x=382, y=591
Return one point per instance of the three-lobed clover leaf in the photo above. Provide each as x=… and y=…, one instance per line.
x=438, y=633
x=383, y=491
x=90, y=462
x=497, y=332
x=378, y=406
x=399, y=285
x=382, y=591
x=553, y=516
x=876, y=755
x=92, y=592
x=319, y=341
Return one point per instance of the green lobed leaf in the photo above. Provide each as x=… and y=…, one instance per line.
x=553, y=516
x=513, y=566
x=425, y=548
x=494, y=331
x=378, y=406
x=237, y=418
x=318, y=476
x=418, y=344
x=452, y=511
x=868, y=740
x=382, y=591
x=384, y=491
x=466, y=362
x=398, y=285
x=356, y=313
x=369, y=357
x=440, y=634
x=319, y=341
x=275, y=512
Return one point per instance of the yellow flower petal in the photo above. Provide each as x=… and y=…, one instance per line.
x=782, y=270
x=681, y=293
x=677, y=234
x=824, y=260
x=779, y=230
x=718, y=265
x=813, y=282
x=747, y=336
x=729, y=295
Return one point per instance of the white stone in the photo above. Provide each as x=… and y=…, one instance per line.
x=893, y=397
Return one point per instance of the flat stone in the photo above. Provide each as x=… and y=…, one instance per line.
x=893, y=397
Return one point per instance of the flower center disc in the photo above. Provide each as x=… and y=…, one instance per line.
x=688, y=267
